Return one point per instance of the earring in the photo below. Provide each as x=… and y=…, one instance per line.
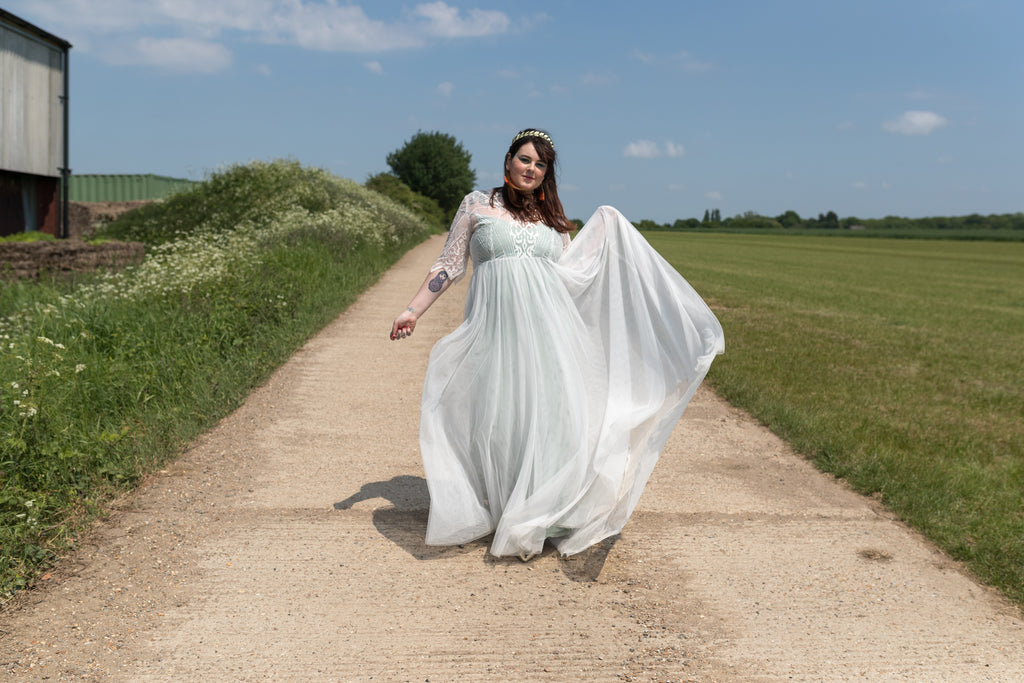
x=542, y=195
x=506, y=181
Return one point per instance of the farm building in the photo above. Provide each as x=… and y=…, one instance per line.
x=95, y=187
x=33, y=128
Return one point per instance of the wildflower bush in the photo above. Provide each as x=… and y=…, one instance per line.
x=103, y=379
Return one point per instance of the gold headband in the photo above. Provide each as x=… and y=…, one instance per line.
x=533, y=134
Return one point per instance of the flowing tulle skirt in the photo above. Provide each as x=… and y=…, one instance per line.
x=544, y=413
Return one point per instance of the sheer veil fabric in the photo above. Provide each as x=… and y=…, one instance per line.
x=545, y=411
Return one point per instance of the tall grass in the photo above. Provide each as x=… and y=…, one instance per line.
x=895, y=364
x=105, y=378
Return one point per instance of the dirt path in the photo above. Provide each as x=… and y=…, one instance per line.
x=288, y=545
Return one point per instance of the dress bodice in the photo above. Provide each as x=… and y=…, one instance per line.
x=486, y=231
x=496, y=238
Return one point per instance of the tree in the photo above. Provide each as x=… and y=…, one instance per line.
x=790, y=219
x=752, y=219
x=716, y=216
x=828, y=220
x=648, y=224
x=435, y=165
x=707, y=218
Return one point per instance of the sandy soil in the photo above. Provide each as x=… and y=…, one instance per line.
x=288, y=545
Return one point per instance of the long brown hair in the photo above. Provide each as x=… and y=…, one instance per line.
x=542, y=205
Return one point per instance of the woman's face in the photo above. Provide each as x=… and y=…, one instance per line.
x=525, y=169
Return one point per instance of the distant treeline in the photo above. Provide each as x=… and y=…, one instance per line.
x=996, y=226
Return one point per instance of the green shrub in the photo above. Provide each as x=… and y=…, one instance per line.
x=426, y=208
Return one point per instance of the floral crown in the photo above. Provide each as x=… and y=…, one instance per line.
x=533, y=134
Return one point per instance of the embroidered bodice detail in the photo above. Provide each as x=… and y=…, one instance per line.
x=524, y=241
x=485, y=233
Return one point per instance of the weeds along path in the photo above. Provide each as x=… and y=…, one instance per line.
x=287, y=544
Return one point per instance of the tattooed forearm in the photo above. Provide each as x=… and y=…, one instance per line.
x=437, y=283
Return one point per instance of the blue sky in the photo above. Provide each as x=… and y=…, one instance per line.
x=663, y=109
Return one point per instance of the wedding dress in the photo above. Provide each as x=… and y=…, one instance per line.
x=545, y=411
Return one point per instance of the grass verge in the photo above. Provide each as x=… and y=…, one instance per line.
x=105, y=378
x=894, y=364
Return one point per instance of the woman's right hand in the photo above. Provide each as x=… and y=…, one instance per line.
x=404, y=324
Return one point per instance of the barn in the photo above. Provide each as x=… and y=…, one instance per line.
x=34, y=165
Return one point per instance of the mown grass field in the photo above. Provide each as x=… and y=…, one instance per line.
x=895, y=364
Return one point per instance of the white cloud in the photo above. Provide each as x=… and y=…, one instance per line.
x=263, y=69
x=210, y=16
x=647, y=149
x=174, y=54
x=945, y=159
x=329, y=25
x=859, y=185
x=331, y=28
x=446, y=88
x=845, y=125
x=915, y=123
x=676, y=187
x=641, y=149
x=645, y=57
x=713, y=194
x=374, y=67
x=674, y=150
x=108, y=17
x=446, y=22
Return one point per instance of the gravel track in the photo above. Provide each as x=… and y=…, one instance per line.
x=287, y=544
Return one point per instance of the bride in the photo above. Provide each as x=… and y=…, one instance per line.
x=544, y=412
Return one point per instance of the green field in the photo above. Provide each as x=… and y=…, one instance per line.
x=895, y=364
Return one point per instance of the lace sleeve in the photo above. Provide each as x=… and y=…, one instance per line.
x=566, y=241
x=455, y=254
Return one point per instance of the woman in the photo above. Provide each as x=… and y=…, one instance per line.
x=544, y=413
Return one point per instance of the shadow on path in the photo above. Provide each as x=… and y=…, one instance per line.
x=404, y=492
x=405, y=522
x=405, y=525
x=587, y=565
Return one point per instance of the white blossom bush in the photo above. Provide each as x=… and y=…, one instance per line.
x=103, y=379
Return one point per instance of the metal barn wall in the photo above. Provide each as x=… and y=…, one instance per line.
x=31, y=114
